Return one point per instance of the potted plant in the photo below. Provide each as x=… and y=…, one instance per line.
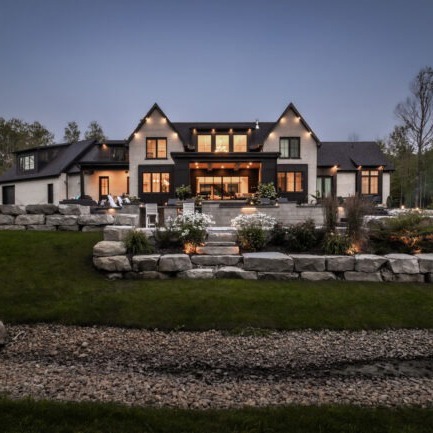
x=183, y=192
x=267, y=190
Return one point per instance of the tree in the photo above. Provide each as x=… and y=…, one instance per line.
x=416, y=114
x=72, y=133
x=94, y=132
x=15, y=134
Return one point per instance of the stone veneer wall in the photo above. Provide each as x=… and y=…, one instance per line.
x=109, y=256
x=66, y=217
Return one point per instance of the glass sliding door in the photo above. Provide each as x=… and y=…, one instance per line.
x=222, y=187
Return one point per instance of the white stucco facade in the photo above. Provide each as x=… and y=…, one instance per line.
x=346, y=184
x=156, y=126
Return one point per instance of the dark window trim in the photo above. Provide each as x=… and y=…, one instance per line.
x=50, y=193
x=157, y=139
x=294, y=183
x=213, y=136
x=289, y=156
x=369, y=177
x=101, y=178
x=152, y=174
x=10, y=195
x=333, y=186
x=26, y=155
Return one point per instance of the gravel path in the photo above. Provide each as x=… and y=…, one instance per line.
x=210, y=369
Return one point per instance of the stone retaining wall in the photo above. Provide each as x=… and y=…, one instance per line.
x=109, y=256
x=65, y=217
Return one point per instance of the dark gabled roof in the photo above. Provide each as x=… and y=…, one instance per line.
x=67, y=156
x=93, y=155
x=155, y=107
x=291, y=107
x=350, y=155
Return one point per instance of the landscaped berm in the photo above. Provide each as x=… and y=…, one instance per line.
x=81, y=353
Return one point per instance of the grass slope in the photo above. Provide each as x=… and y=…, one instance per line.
x=49, y=277
x=28, y=416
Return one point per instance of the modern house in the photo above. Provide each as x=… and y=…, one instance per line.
x=221, y=161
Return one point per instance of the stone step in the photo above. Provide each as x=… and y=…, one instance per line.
x=222, y=236
x=220, y=244
x=218, y=250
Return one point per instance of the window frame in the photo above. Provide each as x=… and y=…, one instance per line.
x=157, y=148
x=211, y=144
x=284, y=174
x=22, y=162
x=369, y=177
x=289, y=148
x=152, y=174
x=246, y=142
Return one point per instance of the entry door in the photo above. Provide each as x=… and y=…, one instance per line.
x=324, y=186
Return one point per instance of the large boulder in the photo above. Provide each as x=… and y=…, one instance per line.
x=74, y=209
x=27, y=220
x=109, y=248
x=403, y=263
x=45, y=209
x=425, y=263
x=12, y=228
x=116, y=233
x=220, y=260
x=234, y=272
x=61, y=220
x=362, y=276
x=308, y=263
x=73, y=228
x=369, y=262
x=197, y=274
x=122, y=219
x=41, y=228
x=218, y=250
x=95, y=220
x=174, y=263
x=145, y=262
x=6, y=220
x=268, y=262
x=12, y=209
x=340, y=263
x=279, y=276
x=112, y=264
x=317, y=276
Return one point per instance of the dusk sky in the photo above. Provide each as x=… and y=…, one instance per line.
x=344, y=64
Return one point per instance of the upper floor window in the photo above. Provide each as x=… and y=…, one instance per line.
x=222, y=143
x=239, y=143
x=204, y=143
x=156, y=148
x=27, y=162
x=290, y=147
x=370, y=182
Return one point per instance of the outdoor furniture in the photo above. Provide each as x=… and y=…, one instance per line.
x=188, y=207
x=151, y=215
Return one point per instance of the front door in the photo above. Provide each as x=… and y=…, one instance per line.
x=104, y=186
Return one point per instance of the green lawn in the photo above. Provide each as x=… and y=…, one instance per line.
x=49, y=277
x=28, y=416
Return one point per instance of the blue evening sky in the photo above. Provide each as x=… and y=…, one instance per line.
x=345, y=64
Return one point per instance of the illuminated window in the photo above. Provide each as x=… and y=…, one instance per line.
x=290, y=181
x=204, y=143
x=239, y=143
x=156, y=148
x=27, y=162
x=104, y=185
x=290, y=147
x=156, y=182
x=222, y=143
x=369, y=182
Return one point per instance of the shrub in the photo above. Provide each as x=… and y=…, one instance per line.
x=278, y=235
x=330, y=213
x=406, y=233
x=191, y=228
x=167, y=237
x=252, y=230
x=302, y=236
x=267, y=190
x=356, y=208
x=336, y=243
x=137, y=242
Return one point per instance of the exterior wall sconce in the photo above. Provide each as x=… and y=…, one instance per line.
x=257, y=124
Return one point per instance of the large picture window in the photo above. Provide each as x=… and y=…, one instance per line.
x=370, y=182
x=156, y=148
x=27, y=162
x=222, y=143
x=290, y=181
x=204, y=143
x=290, y=147
x=156, y=182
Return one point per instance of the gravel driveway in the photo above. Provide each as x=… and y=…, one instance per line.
x=211, y=369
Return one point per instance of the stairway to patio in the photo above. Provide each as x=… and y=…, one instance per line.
x=220, y=241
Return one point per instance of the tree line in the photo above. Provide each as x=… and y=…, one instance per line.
x=15, y=134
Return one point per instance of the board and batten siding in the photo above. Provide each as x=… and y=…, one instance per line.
x=290, y=126
x=155, y=126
